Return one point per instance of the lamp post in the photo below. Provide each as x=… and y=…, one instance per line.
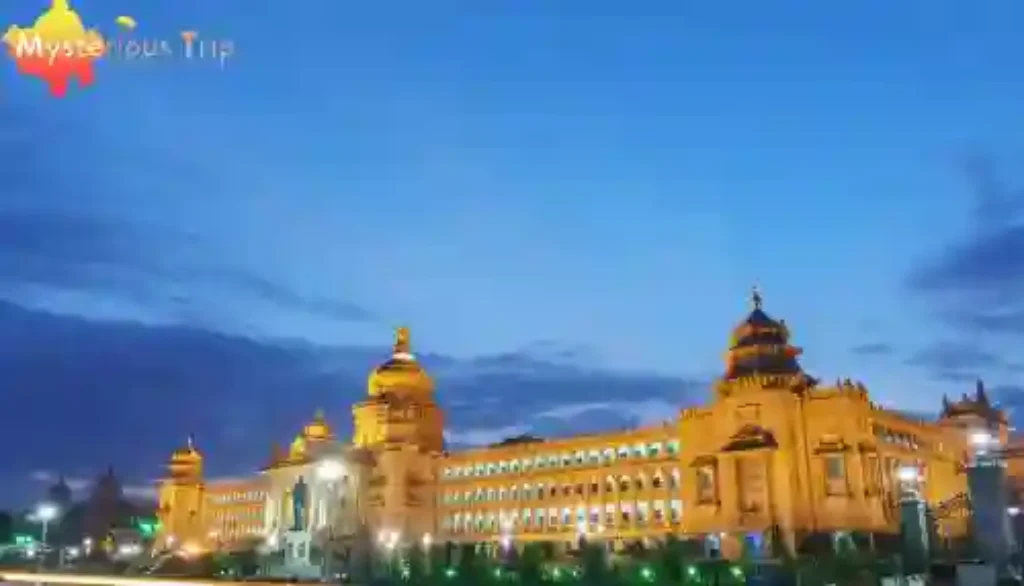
x=991, y=513
x=329, y=471
x=45, y=513
x=914, y=528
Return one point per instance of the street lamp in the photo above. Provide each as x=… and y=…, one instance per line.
x=981, y=440
x=330, y=470
x=45, y=513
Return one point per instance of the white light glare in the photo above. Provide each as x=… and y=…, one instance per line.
x=46, y=512
x=330, y=470
x=1013, y=511
x=908, y=474
x=981, y=439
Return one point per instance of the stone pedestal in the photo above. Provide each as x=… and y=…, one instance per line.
x=297, y=562
x=914, y=533
x=990, y=522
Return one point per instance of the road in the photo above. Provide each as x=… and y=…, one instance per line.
x=21, y=578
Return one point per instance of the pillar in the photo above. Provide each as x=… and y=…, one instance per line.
x=990, y=522
x=914, y=533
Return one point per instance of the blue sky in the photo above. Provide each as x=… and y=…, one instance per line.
x=568, y=202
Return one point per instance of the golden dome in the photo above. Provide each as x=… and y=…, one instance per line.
x=401, y=373
x=186, y=461
x=318, y=429
x=187, y=454
x=314, y=432
x=298, y=448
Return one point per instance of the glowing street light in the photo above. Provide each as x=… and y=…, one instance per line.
x=330, y=470
x=427, y=540
x=45, y=513
x=908, y=474
x=981, y=440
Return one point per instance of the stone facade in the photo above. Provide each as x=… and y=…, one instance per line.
x=775, y=455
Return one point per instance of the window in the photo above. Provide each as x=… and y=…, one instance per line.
x=706, y=485
x=835, y=475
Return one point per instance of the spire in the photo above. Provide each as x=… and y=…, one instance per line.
x=945, y=403
x=755, y=297
x=402, y=347
x=191, y=442
x=979, y=393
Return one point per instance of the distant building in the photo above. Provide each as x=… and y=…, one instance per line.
x=776, y=455
x=104, y=509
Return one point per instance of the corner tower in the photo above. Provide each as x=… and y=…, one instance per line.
x=760, y=354
x=400, y=408
x=180, y=509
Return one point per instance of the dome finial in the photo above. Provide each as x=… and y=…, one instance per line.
x=755, y=297
x=319, y=415
x=402, y=341
x=191, y=442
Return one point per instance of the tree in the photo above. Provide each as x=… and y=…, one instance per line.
x=531, y=564
x=6, y=527
x=595, y=564
x=671, y=561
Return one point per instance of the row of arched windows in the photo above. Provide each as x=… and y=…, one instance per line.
x=582, y=519
x=594, y=457
x=611, y=485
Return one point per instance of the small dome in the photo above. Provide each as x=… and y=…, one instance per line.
x=401, y=372
x=297, y=451
x=318, y=429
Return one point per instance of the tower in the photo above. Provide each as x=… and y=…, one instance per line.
x=400, y=408
x=760, y=353
x=403, y=428
x=181, y=498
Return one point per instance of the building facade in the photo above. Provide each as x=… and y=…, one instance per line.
x=775, y=455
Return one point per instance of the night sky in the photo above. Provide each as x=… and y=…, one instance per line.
x=568, y=203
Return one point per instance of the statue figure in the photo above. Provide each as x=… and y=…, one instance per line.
x=300, y=492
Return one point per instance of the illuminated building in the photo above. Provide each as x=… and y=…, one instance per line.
x=775, y=455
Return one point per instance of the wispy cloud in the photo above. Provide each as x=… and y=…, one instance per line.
x=240, y=395
x=81, y=486
x=873, y=349
x=978, y=279
x=484, y=436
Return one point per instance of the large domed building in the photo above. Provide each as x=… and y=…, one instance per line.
x=774, y=456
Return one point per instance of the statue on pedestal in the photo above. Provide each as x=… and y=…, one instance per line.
x=300, y=492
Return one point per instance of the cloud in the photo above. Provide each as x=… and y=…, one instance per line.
x=82, y=486
x=47, y=257
x=127, y=394
x=873, y=349
x=484, y=436
x=977, y=280
x=959, y=362
x=66, y=245
x=624, y=414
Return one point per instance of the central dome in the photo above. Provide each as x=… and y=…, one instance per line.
x=401, y=373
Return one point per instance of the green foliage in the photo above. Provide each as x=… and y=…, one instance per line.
x=531, y=564
x=6, y=527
